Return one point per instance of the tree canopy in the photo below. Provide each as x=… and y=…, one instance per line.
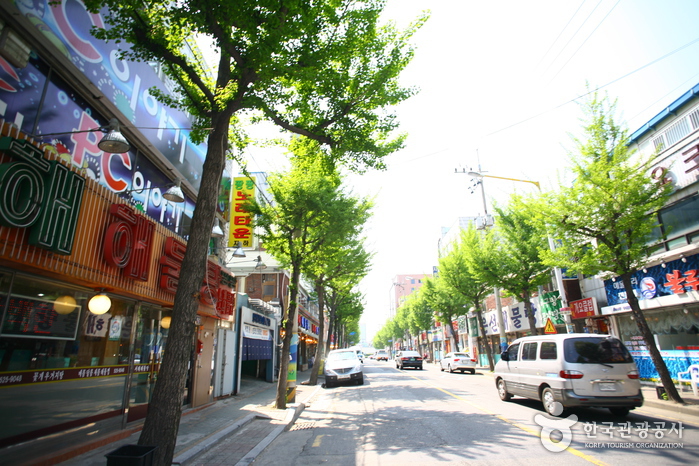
x=325, y=70
x=604, y=220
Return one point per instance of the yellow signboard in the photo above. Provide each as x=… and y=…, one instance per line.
x=241, y=227
x=549, y=329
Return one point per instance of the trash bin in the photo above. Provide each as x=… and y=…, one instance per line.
x=131, y=455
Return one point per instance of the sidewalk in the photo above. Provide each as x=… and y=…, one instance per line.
x=248, y=418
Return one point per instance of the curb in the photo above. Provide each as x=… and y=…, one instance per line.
x=196, y=449
x=292, y=414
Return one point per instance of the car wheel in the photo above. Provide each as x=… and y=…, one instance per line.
x=450, y=369
x=502, y=391
x=473, y=371
x=549, y=402
x=420, y=368
x=621, y=412
x=461, y=370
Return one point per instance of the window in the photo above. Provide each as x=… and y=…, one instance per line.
x=548, y=350
x=596, y=351
x=512, y=352
x=529, y=351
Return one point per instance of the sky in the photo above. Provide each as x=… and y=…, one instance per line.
x=500, y=87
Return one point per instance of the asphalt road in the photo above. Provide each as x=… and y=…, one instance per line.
x=431, y=417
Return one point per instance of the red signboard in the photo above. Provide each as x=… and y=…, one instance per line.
x=584, y=308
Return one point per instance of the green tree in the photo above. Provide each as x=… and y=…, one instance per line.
x=604, y=220
x=325, y=70
x=455, y=271
x=343, y=265
x=520, y=268
x=309, y=214
x=420, y=314
x=447, y=304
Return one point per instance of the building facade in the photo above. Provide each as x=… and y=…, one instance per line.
x=81, y=226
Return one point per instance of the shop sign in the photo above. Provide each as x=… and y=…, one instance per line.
x=473, y=326
x=126, y=84
x=677, y=277
x=607, y=310
x=260, y=319
x=36, y=318
x=128, y=242
x=256, y=333
x=551, y=307
x=72, y=373
x=584, y=308
x=40, y=195
x=97, y=325
x=241, y=221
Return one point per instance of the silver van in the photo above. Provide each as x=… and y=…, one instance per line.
x=574, y=369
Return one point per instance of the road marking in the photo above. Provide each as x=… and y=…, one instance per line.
x=526, y=429
x=316, y=442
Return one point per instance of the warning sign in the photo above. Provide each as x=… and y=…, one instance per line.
x=549, y=329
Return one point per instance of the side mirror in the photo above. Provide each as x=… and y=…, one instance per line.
x=504, y=356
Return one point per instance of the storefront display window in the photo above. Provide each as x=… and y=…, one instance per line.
x=674, y=330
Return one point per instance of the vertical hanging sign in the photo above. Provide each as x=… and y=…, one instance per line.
x=241, y=227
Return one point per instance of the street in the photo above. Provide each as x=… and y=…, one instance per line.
x=428, y=417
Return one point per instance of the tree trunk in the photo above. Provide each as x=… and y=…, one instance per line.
x=315, y=370
x=280, y=402
x=655, y=356
x=486, y=343
x=528, y=311
x=454, y=335
x=331, y=325
x=165, y=407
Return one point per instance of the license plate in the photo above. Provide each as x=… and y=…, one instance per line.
x=342, y=377
x=607, y=387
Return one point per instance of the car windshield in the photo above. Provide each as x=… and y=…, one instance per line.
x=461, y=355
x=342, y=355
x=596, y=351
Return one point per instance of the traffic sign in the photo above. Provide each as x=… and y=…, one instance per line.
x=549, y=329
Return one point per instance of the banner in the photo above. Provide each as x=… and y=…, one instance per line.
x=551, y=307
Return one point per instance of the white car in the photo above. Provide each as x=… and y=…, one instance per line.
x=381, y=355
x=343, y=366
x=569, y=370
x=458, y=362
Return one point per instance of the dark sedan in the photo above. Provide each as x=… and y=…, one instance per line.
x=408, y=359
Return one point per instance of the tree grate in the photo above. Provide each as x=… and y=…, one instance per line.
x=303, y=426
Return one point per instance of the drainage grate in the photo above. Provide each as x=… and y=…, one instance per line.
x=303, y=426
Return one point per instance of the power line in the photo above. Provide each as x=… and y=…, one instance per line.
x=584, y=42
x=574, y=34
x=560, y=34
x=596, y=89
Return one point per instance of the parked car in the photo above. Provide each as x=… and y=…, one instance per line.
x=343, y=366
x=408, y=359
x=575, y=369
x=458, y=362
x=382, y=355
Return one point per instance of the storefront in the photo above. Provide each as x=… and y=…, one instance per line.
x=308, y=341
x=258, y=356
x=85, y=308
x=669, y=299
